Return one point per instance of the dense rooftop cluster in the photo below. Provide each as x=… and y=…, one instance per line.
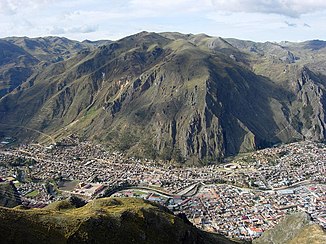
x=241, y=198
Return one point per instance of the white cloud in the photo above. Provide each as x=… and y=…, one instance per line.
x=55, y=30
x=10, y=7
x=112, y=19
x=291, y=8
x=180, y=6
x=83, y=29
x=289, y=24
x=6, y=8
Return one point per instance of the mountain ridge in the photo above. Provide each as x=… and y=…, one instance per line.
x=197, y=97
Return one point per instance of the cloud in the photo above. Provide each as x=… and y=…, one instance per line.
x=291, y=8
x=6, y=8
x=10, y=7
x=170, y=6
x=56, y=30
x=83, y=29
x=101, y=19
x=290, y=24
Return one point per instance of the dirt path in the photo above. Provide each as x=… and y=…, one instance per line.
x=31, y=129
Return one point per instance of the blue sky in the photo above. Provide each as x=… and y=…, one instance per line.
x=263, y=20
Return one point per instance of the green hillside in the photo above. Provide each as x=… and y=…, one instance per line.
x=196, y=97
x=295, y=228
x=111, y=220
x=9, y=197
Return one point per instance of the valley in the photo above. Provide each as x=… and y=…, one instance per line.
x=223, y=139
x=239, y=199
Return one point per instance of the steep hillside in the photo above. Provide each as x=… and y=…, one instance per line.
x=51, y=49
x=22, y=57
x=9, y=197
x=100, y=221
x=16, y=65
x=195, y=97
x=295, y=228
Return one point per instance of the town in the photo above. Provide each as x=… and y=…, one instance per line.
x=240, y=198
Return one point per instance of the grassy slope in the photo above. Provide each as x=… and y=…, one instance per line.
x=198, y=95
x=9, y=196
x=114, y=220
x=295, y=228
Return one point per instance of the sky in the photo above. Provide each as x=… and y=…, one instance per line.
x=256, y=20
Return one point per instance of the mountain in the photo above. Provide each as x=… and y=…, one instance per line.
x=16, y=65
x=111, y=220
x=176, y=96
x=22, y=57
x=295, y=228
x=51, y=49
x=96, y=43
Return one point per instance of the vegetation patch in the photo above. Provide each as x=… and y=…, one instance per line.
x=32, y=194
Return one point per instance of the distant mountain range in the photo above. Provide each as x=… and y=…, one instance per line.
x=164, y=95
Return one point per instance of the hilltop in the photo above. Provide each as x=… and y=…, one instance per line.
x=110, y=220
